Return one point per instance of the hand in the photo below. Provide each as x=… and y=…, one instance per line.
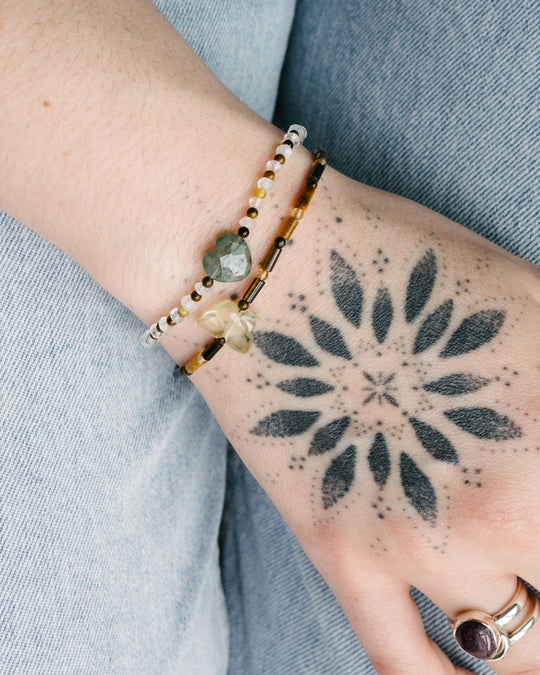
x=390, y=409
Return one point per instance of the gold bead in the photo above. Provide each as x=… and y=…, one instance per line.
x=182, y=311
x=260, y=193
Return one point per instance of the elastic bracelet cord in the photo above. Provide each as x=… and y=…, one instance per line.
x=240, y=313
x=230, y=261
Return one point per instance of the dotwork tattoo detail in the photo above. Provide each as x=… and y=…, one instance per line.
x=420, y=331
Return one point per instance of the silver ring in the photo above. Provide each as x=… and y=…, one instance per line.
x=483, y=635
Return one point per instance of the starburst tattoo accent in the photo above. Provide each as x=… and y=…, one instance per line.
x=408, y=427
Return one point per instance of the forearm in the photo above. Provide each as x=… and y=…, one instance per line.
x=121, y=147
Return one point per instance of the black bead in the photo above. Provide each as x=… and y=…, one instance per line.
x=289, y=143
x=213, y=348
x=280, y=242
x=318, y=171
x=243, y=232
x=207, y=282
x=252, y=212
x=195, y=296
x=243, y=305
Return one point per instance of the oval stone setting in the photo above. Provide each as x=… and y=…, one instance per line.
x=477, y=639
x=230, y=260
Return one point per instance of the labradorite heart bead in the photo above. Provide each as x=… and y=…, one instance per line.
x=230, y=260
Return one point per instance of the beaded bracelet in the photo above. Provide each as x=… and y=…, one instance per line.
x=236, y=313
x=230, y=248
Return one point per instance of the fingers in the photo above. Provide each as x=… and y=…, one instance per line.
x=388, y=624
x=490, y=593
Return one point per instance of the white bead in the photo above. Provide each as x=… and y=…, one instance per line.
x=294, y=138
x=147, y=340
x=302, y=131
x=176, y=316
x=284, y=150
x=273, y=165
x=265, y=183
x=154, y=331
x=162, y=323
x=188, y=303
x=201, y=288
x=248, y=222
x=255, y=202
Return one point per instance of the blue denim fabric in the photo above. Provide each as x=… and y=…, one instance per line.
x=112, y=475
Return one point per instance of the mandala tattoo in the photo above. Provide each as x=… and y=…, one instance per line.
x=414, y=329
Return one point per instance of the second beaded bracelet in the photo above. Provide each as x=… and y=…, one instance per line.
x=233, y=324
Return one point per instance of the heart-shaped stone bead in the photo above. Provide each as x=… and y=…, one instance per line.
x=230, y=260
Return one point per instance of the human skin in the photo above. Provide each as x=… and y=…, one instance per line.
x=389, y=406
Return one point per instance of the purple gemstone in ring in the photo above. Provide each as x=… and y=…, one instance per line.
x=477, y=639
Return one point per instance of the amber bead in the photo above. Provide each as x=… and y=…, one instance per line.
x=269, y=174
x=252, y=212
x=193, y=364
x=305, y=198
x=208, y=282
x=262, y=274
x=243, y=305
x=213, y=348
x=195, y=296
x=260, y=193
x=182, y=311
x=288, y=228
x=289, y=143
x=170, y=321
x=280, y=159
x=243, y=232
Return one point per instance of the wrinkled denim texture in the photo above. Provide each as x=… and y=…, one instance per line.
x=113, y=476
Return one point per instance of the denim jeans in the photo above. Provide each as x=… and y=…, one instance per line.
x=115, y=480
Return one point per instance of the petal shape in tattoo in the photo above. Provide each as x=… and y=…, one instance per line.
x=457, y=383
x=328, y=437
x=338, y=479
x=418, y=489
x=382, y=315
x=284, y=349
x=286, y=423
x=304, y=387
x=474, y=331
x=433, y=327
x=434, y=442
x=379, y=460
x=346, y=289
x=420, y=285
x=329, y=338
x=484, y=423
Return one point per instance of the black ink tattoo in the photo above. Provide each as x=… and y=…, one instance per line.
x=329, y=432
x=338, y=478
x=420, y=285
